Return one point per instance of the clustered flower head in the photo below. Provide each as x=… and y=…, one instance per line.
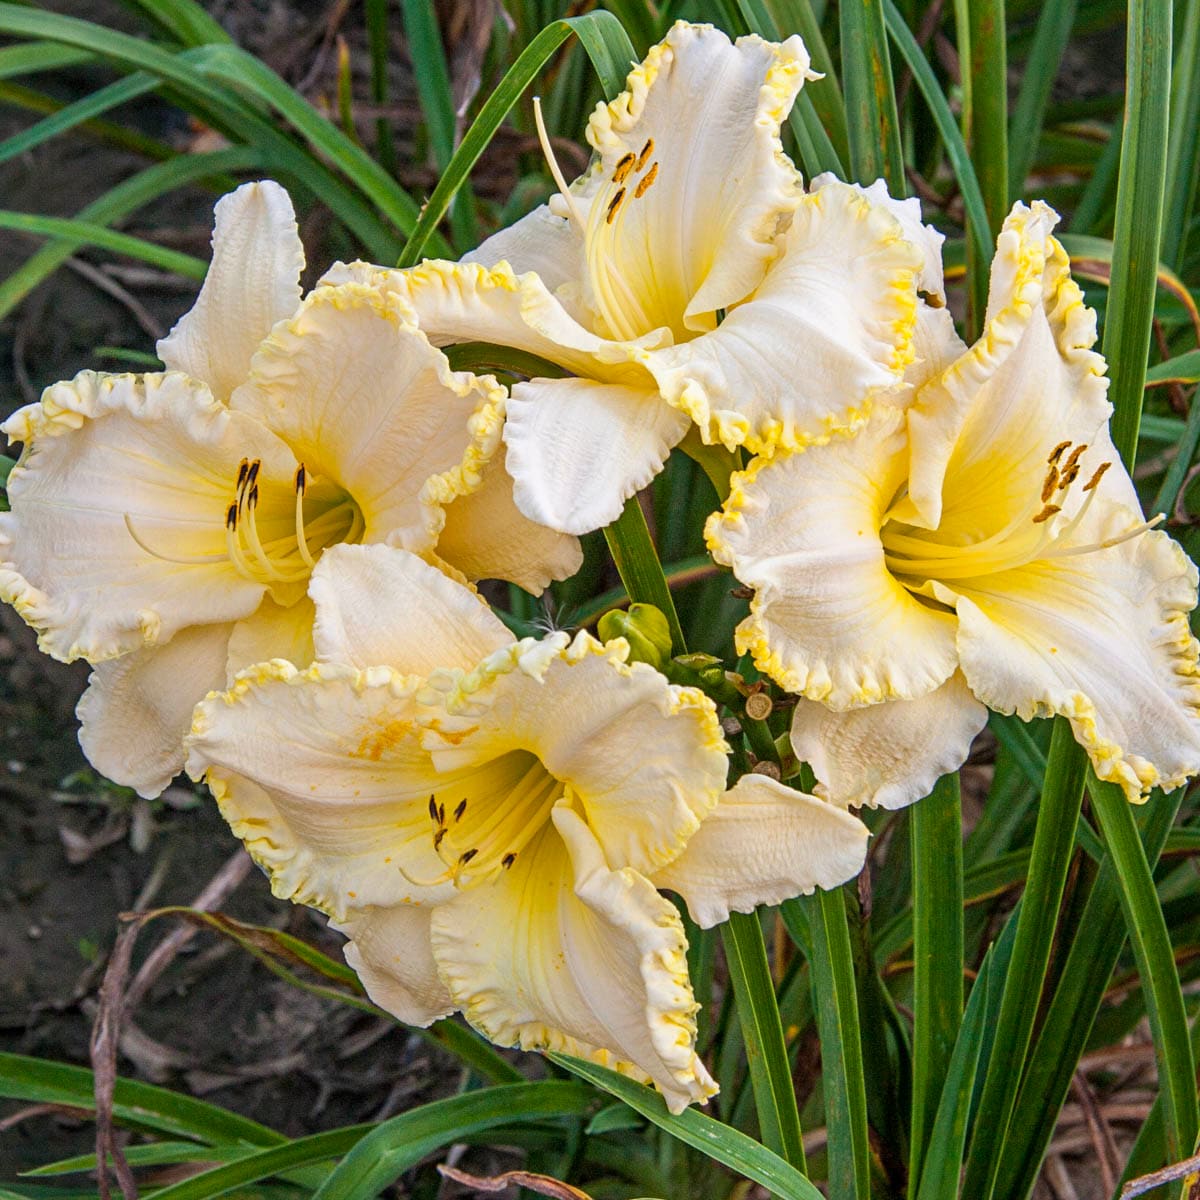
x=268, y=554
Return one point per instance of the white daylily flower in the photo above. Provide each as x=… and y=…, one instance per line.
x=984, y=548
x=489, y=819
x=685, y=277
x=164, y=526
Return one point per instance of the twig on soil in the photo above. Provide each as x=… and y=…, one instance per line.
x=218, y=889
x=542, y=1185
x=1147, y=1183
x=115, y=1001
x=106, y=1033
x=110, y=287
x=42, y=1110
x=1098, y=1131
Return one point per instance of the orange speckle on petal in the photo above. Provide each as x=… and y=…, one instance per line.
x=377, y=742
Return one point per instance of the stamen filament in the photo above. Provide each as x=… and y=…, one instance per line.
x=552, y=163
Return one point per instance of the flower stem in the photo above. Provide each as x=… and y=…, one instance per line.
x=935, y=825
x=641, y=572
x=1053, y=842
x=633, y=552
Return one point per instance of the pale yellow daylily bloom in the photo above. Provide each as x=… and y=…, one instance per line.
x=164, y=526
x=489, y=820
x=687, y=278
x=985, y=547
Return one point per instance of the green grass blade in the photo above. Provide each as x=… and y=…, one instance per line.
x=1089, y=214
x=1184, y=368
x=873, y=126
x=437, y=103
x=943, y=118
x=376, y=12
x=1089, y=965
x=797, y=16
x=72, y=115
x=38, y=1081
x=124, y=136
x=32, y=58
x=935, y=827
x=84, y=233
x=1050, y=39
x=235, y=67
x=218, y=105
x=118, y=203
x=378, y=1159
x=719, y=1142
x=762, y=1032
x=601, y=35
x=939, y=1175
x=1054, y=839
x=983, y=52
x=832, y=966
x=1183, y=147
x=1138, y=226
x=633, y=553
x=184, y=20
x=1185, y=449
x=1156, y=965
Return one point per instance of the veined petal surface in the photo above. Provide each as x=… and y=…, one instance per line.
x=321, y=775
x=828, y=620
x=696, y=181
x=764, y=843
x=380, y=606
x=486, y=536
x=982, y=431
x=578, y=449
x=829, y=328
x=106, y=452
x=138, y=708
x=891, y=754
x=645, y=759
x=1101, y=638
x=252, y=282
x=391, y=952
x=563, y=953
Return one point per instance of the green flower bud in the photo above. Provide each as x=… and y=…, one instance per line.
x=645, y=629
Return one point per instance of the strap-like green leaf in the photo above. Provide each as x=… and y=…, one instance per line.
x=719, y=1142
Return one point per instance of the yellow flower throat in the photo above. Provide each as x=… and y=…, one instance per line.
x=917, y=556
x=274, y=536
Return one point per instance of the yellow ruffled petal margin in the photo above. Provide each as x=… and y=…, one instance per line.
x=889, y=313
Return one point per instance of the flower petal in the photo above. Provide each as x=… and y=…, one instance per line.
x=1101, y=638
x=924, y=237
x=158, y=450
x=644, y=757
x=540, y=241
x=830, y=327
x=379, y=606
x=887, y=755
x=561, y=953
x=578, y=449
x=763, y=844
x=828, y=620
x=271, y=632
x=390, y=951
x=138, y=708
x=252, y=282
x=363, y=399
x=320, y=773
x=982, y=430
x=706, y=182
x=467, y=302
x=487, y=537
